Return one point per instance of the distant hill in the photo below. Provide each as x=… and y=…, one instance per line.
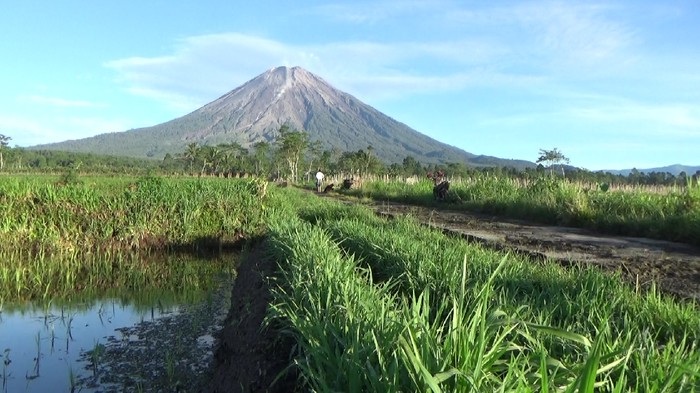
x=256, y=110
x=675, y=170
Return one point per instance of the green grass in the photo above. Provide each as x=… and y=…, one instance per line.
x=98, y=234
x=399, y=307
x=372, y=304
x=671, y=215
x=106, y=213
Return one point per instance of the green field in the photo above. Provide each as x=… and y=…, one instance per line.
x=394, y=305
x=666, y=213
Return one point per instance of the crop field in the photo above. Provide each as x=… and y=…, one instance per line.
x=58, y=239
x=400, y=307
x=395, y=305
x=671, y=214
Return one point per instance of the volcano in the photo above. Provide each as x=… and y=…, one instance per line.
x=255, y=111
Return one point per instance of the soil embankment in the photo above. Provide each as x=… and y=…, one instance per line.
x=251, y=356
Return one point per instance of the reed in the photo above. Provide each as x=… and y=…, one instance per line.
x=98, y=234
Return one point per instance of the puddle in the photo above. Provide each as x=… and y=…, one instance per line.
x=113, y=344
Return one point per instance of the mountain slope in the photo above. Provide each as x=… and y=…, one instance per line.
x=256, y=110
x=675, y=170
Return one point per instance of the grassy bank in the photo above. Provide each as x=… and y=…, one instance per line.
x=672, y=214
x=399, y=307
x=62, y=239
x=99, y=213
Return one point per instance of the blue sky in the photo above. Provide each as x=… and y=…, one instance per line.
x=612, y=84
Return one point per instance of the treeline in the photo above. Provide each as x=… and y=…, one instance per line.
x=294, y=157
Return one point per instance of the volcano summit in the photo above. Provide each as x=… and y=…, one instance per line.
x=255, y=111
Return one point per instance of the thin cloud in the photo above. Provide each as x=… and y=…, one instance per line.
x=555, y=36
x=537, y=41
x=374, y=12
x=19, y=128
x=30, y=132
x=662, y=120
x=203, y=67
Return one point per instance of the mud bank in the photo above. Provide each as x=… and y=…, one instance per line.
x=252, y=357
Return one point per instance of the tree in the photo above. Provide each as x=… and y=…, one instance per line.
x=349, y=163
x=192, y=153
x=411, y=166
x=370, y=162
x=553, y=157
x=292, y=145
x=211, y=158
x=233, y=157
x=315, y=151
x=261, y=158
x=4, y=142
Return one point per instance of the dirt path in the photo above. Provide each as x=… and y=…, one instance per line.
x=675, y=267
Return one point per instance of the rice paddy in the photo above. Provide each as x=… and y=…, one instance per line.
x=395, y=305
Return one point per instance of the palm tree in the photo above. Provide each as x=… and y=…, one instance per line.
x=4, y=142
x=192, y=153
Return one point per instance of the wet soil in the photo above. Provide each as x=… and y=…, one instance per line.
x=252, y=356
x=172, y=353
x=673, y=267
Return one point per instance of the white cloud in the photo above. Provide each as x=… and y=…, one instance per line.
x=204, y=67
x=522, y=44
x=29, y=132
x=200, y=68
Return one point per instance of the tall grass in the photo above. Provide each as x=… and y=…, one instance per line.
x=62, y=239
x=398, y=307
x=149, y=212
x=673, y=215
x=374, y=305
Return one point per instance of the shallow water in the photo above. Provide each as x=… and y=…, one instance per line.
x=141, y=342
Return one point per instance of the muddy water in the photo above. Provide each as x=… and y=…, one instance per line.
x=147, y=341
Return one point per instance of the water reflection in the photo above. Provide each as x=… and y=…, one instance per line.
x=146, y=341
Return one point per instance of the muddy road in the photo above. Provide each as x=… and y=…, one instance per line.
x=674, y=267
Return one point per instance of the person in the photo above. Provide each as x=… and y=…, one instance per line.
x=319, y=180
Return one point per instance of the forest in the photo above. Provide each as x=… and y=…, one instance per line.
x=294, y=157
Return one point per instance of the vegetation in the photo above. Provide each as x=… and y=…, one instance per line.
x=396, y=306
x=294, y=152
x=52, y=214
x=4, y=142
x=60, y=236
x=401, y=312
x=553, y=157
x=673, y=214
